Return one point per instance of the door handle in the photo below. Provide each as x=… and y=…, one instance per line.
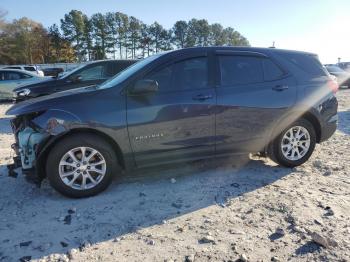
x=202, y=97
x=280, y=87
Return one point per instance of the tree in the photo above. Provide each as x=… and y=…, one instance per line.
x=160, y=38
x=145, y=40
x=73, y=26
x=111, y=23
x=198, y=33
x=134, y=34
x=216, y=36
x=122, y=23
x=101, y=35
x=60, y=49
x=234, y=38
x=23, y=36
x=180, y=33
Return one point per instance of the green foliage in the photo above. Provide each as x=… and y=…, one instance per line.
x=100, y=36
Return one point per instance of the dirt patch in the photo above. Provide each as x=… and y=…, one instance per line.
x=222, y=210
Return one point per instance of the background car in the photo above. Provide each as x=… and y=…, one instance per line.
x=12, y=78
x=342, y=76
x=92, y=73
x=53, y=71
x=31, y=68
x=345, y=66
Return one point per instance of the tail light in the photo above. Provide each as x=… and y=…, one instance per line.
x=333, y=85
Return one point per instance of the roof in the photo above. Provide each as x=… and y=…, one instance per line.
x=239, y=48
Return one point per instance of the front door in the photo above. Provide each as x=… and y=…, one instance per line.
x=178, y=121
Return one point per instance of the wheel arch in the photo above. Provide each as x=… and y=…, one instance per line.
x=288, y=119
x=45, y=150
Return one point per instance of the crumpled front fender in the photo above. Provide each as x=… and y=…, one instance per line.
x=55, y=121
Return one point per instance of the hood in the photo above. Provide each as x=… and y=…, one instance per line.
x=53, y=101
x=37, y=83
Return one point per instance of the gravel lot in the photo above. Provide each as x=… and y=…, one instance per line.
x=222, y=210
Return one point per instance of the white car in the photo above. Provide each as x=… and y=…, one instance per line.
x=12, y=78
x=31, y=68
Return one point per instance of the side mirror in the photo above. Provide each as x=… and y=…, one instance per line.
x=144, y=86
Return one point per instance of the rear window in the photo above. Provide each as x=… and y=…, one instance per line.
x=308, y=63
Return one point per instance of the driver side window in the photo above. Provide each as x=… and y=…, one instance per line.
x=92, y=73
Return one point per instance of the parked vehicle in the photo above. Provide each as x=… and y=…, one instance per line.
x=342, y=76
x=345, y=66
x=53, y=71
x=181, y=105
x=92, y=73
x=12, y=78
x=31, y=68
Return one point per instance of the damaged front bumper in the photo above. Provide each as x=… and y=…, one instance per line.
x=28, y=139
x=34, y=134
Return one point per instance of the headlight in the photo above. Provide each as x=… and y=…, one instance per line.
x=23, y=92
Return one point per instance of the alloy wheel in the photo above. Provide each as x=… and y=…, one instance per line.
x=82, y=168
x=295, y=143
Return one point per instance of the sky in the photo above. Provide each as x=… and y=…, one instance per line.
x=318, y=26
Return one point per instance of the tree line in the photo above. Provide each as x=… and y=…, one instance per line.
x=111, y=35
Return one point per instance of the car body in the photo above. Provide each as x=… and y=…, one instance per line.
x=31, y=68
x=342, y=76
x=53, y=71
x=12, y=78
x=91, y=73
x=187, y=104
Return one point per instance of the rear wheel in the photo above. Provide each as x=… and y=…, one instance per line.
x=81, y=165
x=294, y=145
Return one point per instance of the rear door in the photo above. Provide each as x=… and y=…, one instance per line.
x=253, y=94
x=178, y=121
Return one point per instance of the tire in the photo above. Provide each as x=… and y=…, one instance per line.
x=285, y=157
x=99, y=166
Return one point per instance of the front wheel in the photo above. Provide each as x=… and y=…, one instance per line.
x=294, y=145
x=81, y=165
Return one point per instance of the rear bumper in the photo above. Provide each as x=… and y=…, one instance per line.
x=329, y=128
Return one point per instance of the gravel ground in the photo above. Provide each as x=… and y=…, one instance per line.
x=222, y=210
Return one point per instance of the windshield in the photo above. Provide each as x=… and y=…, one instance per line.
x=334, y=69
x=123, y=75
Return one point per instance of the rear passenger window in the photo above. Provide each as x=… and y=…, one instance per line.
x=190, y=74
x=308, y=63
x=271, y=70
x=240, y=70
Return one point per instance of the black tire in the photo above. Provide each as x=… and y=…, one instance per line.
x=275, y=150
x=74, y=141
